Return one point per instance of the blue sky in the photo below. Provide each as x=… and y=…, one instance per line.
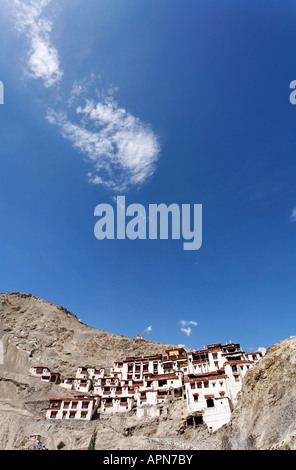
x=162, y=102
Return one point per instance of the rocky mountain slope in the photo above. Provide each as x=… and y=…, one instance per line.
x=36, y=332
x=50, y=335
x=265, y=414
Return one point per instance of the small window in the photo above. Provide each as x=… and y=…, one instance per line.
x=198, y=420
x=189, y=422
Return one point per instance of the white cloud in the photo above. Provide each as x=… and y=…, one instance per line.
x=187, y=331
x=185, y=323
x=43, y=60
x=293, y=215
x=148, y=329
x=80, y=88
x=122, y=149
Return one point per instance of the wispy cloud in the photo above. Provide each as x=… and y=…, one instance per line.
x=187, y=331
x=191, y=322
x=80, y=89
x=121, y=148
x=293, y=215
x=185, y=323
x=42, y=60
x=148, y=329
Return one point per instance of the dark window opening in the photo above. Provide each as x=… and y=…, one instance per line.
x=194, y=421
x=210, y=403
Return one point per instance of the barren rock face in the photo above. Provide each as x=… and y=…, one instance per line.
x=50, y=335
x=34, y=332
x=265, y=414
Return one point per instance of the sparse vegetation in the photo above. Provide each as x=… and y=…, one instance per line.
x=92, y=443
x=61, y=445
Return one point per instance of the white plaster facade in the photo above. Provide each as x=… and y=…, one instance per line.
x=77, y=408
x=68, y=383
x=82, y=385
x=117, y=404
x=89, y=372
x=208, y=379
x=39, y=371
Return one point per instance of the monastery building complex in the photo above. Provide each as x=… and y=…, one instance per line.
x=208, y=380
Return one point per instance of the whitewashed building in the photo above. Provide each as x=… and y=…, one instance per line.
x=213, y=381
x=209, y=379
x=39, y=372
x=68, y=383
x=82, y=385
x=89, y=372
x=77, y=408
x=207, y=395
x=117, y=404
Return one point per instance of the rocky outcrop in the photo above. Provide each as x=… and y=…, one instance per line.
x=265, y=414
